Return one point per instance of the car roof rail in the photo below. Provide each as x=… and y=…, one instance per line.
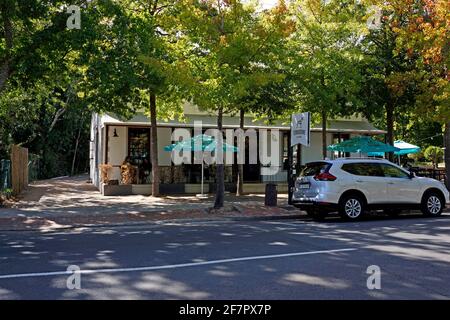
x=359, y=158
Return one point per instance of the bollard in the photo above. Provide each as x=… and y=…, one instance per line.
x=271, y=195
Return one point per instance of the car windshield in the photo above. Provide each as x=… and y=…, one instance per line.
x=314, y=168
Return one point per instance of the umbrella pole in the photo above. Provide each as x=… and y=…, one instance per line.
x=202, y=175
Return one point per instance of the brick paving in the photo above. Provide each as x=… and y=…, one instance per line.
x=73, y=202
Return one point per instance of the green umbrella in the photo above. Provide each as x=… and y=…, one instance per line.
x=362, y=144
x=405, y=148
x=200, y=143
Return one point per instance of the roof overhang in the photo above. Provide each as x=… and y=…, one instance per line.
x=210, y=126
x=358, y=126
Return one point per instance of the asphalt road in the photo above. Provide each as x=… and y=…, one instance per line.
x=285, y=259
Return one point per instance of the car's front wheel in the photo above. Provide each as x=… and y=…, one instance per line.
x=432, y=204
x=351, y=207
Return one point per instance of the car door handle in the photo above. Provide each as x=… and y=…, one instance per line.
x=360, y=181
x=391, y=183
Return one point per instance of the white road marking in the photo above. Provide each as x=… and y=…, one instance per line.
x=171, y=266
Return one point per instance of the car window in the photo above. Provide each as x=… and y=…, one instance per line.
x=353, y=168
x=314, y=168
x=394, y=172
x=373, y=170
x=364, y=169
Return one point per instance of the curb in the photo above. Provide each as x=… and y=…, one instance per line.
x=168, y=221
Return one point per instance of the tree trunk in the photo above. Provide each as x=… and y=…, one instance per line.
x=4, y=74
x=5, y=68
x=447, y=154
x=390, y=128
x=154, y=146
x=324, y=134
x=220, y=187
x=240, y=176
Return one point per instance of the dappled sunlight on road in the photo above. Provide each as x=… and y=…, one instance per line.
x=401, y=247
x=329, y=283
x=173, y=289
x=413, y=253
x=121, y=287
x=221, y=272
x=8, y=295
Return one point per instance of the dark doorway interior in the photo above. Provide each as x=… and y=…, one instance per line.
x=252, y=172
x=139, y=152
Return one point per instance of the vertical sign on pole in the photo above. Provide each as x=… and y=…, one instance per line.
x=300, y=135
x=301, y=129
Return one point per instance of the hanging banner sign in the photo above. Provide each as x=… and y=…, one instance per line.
x=301, y=129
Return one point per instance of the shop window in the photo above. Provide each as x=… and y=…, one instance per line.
x=139, y=152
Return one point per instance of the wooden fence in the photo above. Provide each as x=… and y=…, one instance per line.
x=19, y=168
x=438, y=174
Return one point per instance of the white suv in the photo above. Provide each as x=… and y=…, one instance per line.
x=350, y=186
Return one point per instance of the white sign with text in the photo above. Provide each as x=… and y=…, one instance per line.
x=301, y=129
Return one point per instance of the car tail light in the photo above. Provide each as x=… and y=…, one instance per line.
x=324, y=176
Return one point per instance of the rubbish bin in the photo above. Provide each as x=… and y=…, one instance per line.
x=271, y=195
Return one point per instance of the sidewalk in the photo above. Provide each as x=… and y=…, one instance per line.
x=73, y=202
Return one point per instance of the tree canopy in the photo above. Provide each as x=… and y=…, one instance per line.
x=224, y=56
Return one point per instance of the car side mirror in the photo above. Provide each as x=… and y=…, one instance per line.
x=412, y=175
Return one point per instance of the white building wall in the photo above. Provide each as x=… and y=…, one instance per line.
x=117, y=149
x=101, y=149
x=271, y=137
x=276, y=172
x=93, y=145
x=96, y=148
x=164, y=139
x=314, y=151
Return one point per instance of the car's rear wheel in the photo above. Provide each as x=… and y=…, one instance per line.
x=351, y=207
x=432, y=204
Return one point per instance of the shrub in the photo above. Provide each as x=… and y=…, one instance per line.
x=434, y=154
